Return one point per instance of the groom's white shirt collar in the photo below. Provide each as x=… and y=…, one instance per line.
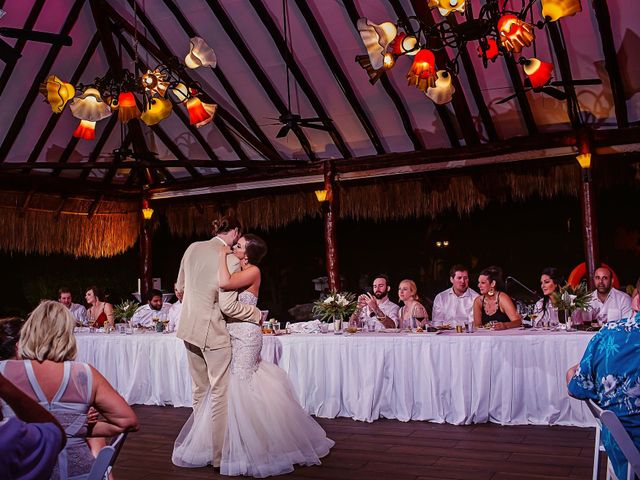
x=218, y=238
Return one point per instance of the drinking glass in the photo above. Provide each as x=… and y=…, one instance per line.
x=533, y=317
x=91, y=318
x=420, y=314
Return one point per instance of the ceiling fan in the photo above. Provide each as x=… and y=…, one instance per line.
x=550, y=89
x=290, y=120
x=8, y=54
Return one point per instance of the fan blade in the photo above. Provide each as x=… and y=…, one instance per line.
x=506, y=99
x=7, y=53
x=32, y=35
x=314, y=119
x=586, y=81
x=283, y=131
x=555, y=93
x=314, y=125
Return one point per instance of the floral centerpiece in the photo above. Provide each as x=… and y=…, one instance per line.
x=125, y=310
x=335, y=305
x=568, y=299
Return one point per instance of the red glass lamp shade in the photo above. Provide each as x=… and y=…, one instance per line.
x=200, y=113
x=539, y=72
x=86, y=130
x=423, y=71
x=514, y=33
x=491, y=51
x=127, y=108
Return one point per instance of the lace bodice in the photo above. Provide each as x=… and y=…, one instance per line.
x=247, y=298
x=246, y=342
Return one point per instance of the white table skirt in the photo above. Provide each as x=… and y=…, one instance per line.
x=512, y=377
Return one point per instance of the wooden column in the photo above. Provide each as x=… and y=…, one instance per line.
x=145, y=272
x=589, y=220
x=330, y=214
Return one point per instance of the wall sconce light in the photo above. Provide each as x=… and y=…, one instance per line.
x=445, y=243
x=147, y=211
x=321, y=195
x=584, y=160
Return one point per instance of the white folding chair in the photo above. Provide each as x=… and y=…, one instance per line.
x=620, y=435
x=106, y=458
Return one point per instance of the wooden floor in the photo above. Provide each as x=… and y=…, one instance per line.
x=389, y=450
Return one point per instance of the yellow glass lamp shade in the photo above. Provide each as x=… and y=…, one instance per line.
x=86, y=129
x=127, y=108
x=376, y=38
x=422, y=73
x=57, y=93
x=443, y=91
x=445, y=7
x=321, y=195
x=90, y=106
x=154, y=81
x=200, y=54
x=160, y=109
x=584, y=160
x=200, y=114
x=147, y=211
x=514, y=33
x=556, y=9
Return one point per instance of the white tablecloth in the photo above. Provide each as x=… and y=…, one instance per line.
x=512, y=377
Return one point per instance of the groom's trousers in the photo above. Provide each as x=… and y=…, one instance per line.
x=210, y=368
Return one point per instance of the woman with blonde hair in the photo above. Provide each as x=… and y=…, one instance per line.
x=48, y=373
x=412, y=314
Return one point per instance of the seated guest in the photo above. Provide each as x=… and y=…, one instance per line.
x=100, y=313
x=31, y=441
x=609, y=374
x=174, y=311
x=77, y=310
x=455, y=302
x=635, y=298
x=48, y=374
x=550, y=281
x=608, y=303
x=154, y=309
x=493, y=305
x=9, y=336
x=412, y=314
x=376, y=306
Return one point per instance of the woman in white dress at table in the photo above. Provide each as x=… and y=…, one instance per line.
x=268, y=432
x=545, y=314
x=412, y=314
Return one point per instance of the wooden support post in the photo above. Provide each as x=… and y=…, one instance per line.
x=589, y=221
x=146, y=280
x=331, y=214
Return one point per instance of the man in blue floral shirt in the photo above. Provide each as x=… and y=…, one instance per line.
x=609, y=374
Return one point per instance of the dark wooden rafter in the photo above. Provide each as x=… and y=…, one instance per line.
x=27, y=201
x=560, y=49
x=19, y=46
x=474, y=85
x=173, y=148
x=339, y=75
x=66, y=154
x=21, y=117
x=63, y=201
x=603, y=18
x=95, y=205
x=115, y=164
x=521, y=96
x=224, y=81
x=459, y=100
x=164, y=54
x=299, y=75
x=403, y=114
x=55, y=117
x=97, y=149
x=247, y=55
x=182, y=161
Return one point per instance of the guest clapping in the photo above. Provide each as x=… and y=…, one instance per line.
x=412, y=313
x=493, y=305
x=100, y=313
x=550, y=281
x=376, y=306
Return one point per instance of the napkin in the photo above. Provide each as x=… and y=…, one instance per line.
x=305, y=327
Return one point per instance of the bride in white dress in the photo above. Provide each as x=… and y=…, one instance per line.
x=268, y=432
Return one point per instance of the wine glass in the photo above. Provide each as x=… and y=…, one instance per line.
x=91, y=318
x=533, y=316
x=419, y=314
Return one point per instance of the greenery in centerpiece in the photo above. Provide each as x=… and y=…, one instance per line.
x=335, y=304
x=125, y=310
x=569, y=298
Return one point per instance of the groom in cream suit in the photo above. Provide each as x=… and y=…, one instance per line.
x=202, y=325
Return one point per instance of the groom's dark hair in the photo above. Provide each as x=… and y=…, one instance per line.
x=255, y=249
x=226, y=224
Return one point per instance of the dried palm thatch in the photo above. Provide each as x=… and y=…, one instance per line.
x=36, y=224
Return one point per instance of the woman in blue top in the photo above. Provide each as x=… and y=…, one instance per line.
x=609, y=374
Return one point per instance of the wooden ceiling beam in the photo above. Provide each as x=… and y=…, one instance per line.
x=66, y=154
x=97, y=149
x=112, y=168
x=21, y=116
x=183, y=162
x=338, y=73
x=173, y=148
x=391, y=92
x=603, y=18
x=521, y=96
x=560, y=49
x=287, y=55
x=64, y=186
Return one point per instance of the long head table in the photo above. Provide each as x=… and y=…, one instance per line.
x=511, y=377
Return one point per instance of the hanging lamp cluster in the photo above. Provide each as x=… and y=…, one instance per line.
x=144, y=96
x=497, y=31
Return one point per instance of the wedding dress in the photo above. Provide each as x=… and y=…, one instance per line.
x=268, y=432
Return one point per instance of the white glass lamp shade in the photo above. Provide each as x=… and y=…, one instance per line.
x=375, y=39
x=90, y=106
x=200, y=54
x=444, y=89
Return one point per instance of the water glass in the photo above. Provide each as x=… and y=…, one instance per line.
x=324, y=327
x=371, y=325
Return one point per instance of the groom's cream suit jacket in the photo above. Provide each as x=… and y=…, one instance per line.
x=204, y=306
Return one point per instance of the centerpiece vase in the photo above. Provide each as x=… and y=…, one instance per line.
x=569, y=322
x=337, y=324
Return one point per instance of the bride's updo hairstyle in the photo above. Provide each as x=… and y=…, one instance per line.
x=226, y=224
x=255, y=249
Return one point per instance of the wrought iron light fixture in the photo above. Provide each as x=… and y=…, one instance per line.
x=496, y=31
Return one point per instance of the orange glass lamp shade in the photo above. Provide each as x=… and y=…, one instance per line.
x=584, y=159
x=127, y=108
x=154, y=81
x=556, y=9
x=90, y=106
x=539, y=72
x=160, y=109
x=200, y=54
x=57, y=93
x=147, y=211
x=422, y=73
x=86, y=130
x=492, y=50
x=514, y=33
x=321, y=195
x=200, y=114
x=443, y=91
x=445, y=7
x=376, y=38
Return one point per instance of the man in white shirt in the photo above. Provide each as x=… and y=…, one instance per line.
x=455, y=303
x=154, y=309
x=376, y=306
x=174, y=311
x=608, y=303
x=77, y=310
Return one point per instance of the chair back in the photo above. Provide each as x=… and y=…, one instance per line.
x=106, y=458
x=610, y=420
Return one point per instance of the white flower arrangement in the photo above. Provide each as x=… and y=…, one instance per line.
x=335, y=304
